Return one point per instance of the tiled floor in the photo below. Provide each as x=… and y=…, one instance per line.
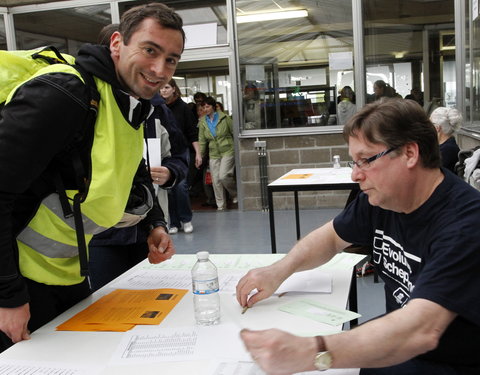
x=234, y=231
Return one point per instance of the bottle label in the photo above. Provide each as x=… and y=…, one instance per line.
x=205, y=286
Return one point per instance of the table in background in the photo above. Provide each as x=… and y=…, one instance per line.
x=306, y=180
x=96, y=348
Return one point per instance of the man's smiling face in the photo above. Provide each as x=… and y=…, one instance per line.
x=149, y=59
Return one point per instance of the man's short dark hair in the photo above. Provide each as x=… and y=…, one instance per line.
x=394, y=123
x=164, y=15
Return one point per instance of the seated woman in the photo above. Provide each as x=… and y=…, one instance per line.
x=447, y=121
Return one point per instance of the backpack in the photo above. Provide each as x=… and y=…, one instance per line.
x=17, y=67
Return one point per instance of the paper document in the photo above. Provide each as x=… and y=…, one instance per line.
x=319, y=312
x=12, y=367
x=154, y=152
x=155, y=279
x=121, y=309
x=251, y=368
x=311, y=281
x=180, y=344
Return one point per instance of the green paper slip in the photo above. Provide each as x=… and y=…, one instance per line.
x=319, y=312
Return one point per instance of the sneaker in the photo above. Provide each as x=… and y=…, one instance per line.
x=188, y=227
x=173, y=230
x=220, y=209
x=235, y=200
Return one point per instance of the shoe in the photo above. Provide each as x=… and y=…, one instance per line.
x=173, y=230
x=235, y=200
x=220, y=209
x=188, y=227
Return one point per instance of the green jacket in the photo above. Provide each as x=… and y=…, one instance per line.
x=220, y=145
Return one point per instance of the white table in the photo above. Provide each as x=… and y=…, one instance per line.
x=307, y=179
x=96, y=348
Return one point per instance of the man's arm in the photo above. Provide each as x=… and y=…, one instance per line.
x=386, y=341
x=315, y=249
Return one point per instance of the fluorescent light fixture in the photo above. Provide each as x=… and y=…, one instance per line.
x=175, y=77
x=270, y=16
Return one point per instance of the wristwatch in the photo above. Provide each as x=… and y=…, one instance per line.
x=323, y=359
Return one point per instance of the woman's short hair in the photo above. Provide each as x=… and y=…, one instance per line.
x=209, y=100
x=448, y=119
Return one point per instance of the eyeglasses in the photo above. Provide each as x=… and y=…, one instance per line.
x=364, y=163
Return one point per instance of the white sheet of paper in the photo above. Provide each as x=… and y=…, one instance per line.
x=156, y=279
x=142, y=345
x=311, y=281
x=251, y=368
x=12, y=367
x=154, y=152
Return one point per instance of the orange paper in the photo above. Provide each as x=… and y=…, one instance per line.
x=297, y=176
x=122, y=309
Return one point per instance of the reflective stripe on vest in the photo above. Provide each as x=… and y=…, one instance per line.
x=50, y=247
x=46, y=253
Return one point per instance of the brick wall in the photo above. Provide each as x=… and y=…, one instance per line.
x=286, y=153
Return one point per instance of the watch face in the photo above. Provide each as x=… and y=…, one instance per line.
x=323, y=361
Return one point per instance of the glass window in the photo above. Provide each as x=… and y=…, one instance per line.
x=293, y=68
x=66, y=29
x=198, y=18
x=473, y=94
x=398, y=38
x=3, y=40
x=208, y=76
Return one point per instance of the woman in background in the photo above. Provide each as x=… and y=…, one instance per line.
x=179, y=206
x=215, y=131
x=447, y=121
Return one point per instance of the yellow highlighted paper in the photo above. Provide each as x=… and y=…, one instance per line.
x=122, y=309
x=297, y=176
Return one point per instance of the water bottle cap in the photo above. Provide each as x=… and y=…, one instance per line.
x=202, y=255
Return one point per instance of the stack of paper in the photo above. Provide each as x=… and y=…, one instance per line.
x=122, y=309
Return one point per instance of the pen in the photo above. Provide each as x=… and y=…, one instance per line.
x=244, y=309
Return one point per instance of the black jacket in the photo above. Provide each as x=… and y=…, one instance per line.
x=35, y=127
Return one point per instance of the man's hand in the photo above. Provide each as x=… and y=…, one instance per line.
x=160, y=246
x=280, y=353
x=13, y=322
x=265, y=279
x=160, y=175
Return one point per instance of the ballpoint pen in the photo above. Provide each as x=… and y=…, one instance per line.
x=244, y=309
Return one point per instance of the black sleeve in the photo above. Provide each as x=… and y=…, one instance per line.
x=190, y=125
x=43, y=116
x=155, y=216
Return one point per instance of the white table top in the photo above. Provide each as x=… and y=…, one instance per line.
x=96, y=348
x=315, y=176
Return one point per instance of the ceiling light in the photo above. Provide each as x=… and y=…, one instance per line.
x=270, y=16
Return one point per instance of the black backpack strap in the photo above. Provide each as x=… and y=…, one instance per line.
x=51, y=60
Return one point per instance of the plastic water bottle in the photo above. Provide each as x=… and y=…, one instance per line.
x=336, y=161
x=206, y=300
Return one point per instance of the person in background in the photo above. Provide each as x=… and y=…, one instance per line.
x=416, y=95
x=198, y=98
x=180, y=209
x=40, y=269
x=422, y=223
x=447, y=121
x=346, y=107
x=216, y=135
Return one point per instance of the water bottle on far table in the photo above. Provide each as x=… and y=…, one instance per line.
x=206, y=300
x=336, y=161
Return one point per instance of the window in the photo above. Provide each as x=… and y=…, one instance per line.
x=397, y=40
x=67, y=29
x=292, y=69
x=3, y=40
